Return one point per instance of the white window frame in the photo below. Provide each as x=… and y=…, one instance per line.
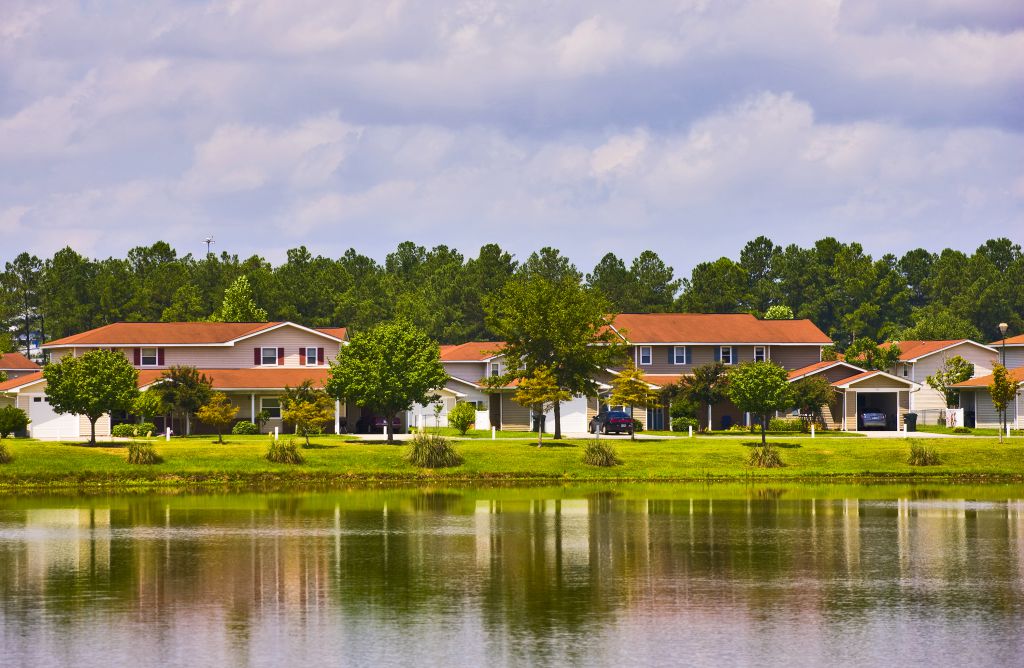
x=906, y=370
x=315, y=359
x=650, y=356
x=675, y=355
x=155, y=357
x=263, y=356
x=263, y=408
x=721, y=355
x=495, y=369
x=764, y=353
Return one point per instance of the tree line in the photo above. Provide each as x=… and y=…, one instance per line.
x=845, y=291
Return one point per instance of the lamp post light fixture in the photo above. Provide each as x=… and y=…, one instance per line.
x=1002, y=332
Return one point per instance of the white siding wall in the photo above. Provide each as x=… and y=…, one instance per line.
x=1014, y=356
x=988, y=417
x=928, y=398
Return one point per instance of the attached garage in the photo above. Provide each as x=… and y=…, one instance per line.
x=48, y=424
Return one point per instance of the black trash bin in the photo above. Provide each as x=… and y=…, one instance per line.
x=969, y=420
x=910, y=419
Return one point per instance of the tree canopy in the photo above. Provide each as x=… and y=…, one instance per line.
x=539, y=390
x=93, y=384
x=953, y=370
x=760, y=388
x=183, y=390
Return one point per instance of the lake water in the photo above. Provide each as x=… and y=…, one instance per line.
x=604, y=575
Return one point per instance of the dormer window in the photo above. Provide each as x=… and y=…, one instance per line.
x=148, y=357
x=268, y=356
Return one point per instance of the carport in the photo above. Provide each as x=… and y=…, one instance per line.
x=874, y=391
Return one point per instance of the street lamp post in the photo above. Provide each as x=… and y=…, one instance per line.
x=1002, y=332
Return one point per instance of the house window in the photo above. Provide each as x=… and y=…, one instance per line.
x=495, y=370
x=148, y=357
x=268, y=357
x=726, y=355
x=679, y=355
x=271, y=406
x=906, y=371
x=311, y=359
x=760, y=353
x=645, y=354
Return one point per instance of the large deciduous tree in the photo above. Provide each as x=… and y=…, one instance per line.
x=760, y=388
x=548, y=319
x=239, y=304
x=94, y=384
x=183, y=390
x=387, y=369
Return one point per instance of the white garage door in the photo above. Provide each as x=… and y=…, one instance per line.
x=574, y=417
x=48, y=424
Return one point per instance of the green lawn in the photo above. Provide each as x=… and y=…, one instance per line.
x=335, y=459
x=936, y=429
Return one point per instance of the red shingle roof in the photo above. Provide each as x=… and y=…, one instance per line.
x=817, y=367
x=715, y=328
x=16, y=362
x=172, y=333
x=474, y=351
x=912, y=350
x=27, y=379
x=984, y=381
x=1010, y=341
x=250, y=379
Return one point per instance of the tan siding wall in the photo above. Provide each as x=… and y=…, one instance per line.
x=23, y=402
x=795, y=357
x=6, y=401
x=879, y=382
x=102, y=427
x=851, y=411
x=472, y=372
x=791, y=357
x=838, y=373
x=1014, y=356
x=927, y=398
x=988, y=417
x=593, y=406
x=832, y=413
x=902, y=406
x=513, y=416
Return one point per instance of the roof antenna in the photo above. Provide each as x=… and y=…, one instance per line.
x=208, y=241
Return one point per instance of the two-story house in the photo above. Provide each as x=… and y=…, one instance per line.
x=252, y=363
x=16, y=365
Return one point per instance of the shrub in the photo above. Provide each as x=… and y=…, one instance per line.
x=12, y=419
x=682, y=423
x=922, y=456
x=740, y=429
x=245, y=428
x=142, y=453
x=431, y=451
x=462, y=417
x=637, y=426
x=5, y=454
x=284, y=453
x=145, y=429
x=765, y=457
x=123, y=430
x=600, y=453
x=962, y=430
x=785, y=424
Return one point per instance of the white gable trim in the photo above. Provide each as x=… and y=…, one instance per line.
x=285, y=324
x=826, y=368
x=909, y=383
x=952, y=345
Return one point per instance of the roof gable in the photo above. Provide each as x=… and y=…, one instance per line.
x=16, y=362
x=179, y=333
x=474, y=351
x=715, y=328
x=860, y=377
x=913, y=350
x=819, y=367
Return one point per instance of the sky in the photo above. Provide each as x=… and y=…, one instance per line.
x=687, y=127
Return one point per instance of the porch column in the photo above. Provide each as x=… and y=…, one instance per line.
x=337, y=416
x=252, y=407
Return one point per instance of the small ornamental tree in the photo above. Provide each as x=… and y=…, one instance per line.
x=12, y=419
x=778, y=312
x=760, y=388
x=541, y=392
x=183, y=390
x=462, y=416
x=953, y=370
x=309, y=414
x=706, y=386
x=218, y=412
x=867, y=354
x=810, y=394
x=630, y=389
x=1002, y=389
x=148, y=405
x=388, y=369
x=98, y=382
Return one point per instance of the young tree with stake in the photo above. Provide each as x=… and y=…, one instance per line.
x=761, y=388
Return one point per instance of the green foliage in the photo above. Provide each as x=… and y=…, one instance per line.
x=462, y=416
x=5, y=455
x=540, y=391
x=683, y=423
x=953, y=370
x=124, y=430
x=148, y=404
x=239, y=304
x=141, y=452
x=600, y=453
x=388, y=369
x=922, y=455
x=648, y=286
x=810, y=394
x=936, y=322
x=961, y=430
x=630, y=389
x=760, y=388
x=867, y=354
x=785, y=424
x=145, y=429
x=218, y=412
x=12, y=419
x=183, y=390
x=282, y=452
x=309, y=412
x=707, y=386
x=1002, y=389
x=765, y=456
x=97, y=382
x=245, y=428
x=779, y=312
x=431, y=451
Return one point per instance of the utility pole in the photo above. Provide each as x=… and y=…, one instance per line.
x=208, y=241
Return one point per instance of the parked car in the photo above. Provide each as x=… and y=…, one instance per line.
x=617, y=422
x=872, y=419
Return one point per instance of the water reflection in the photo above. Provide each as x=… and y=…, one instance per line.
x=622, y=576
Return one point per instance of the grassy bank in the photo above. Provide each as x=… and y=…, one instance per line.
x=336, y=460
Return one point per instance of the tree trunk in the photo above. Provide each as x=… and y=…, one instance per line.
x=632, y=426
x=188, y=425
x=92, y=430
x=307, y=437
x=388, y=428
x=220, y=437
x=764, y=421
x=558, y=420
